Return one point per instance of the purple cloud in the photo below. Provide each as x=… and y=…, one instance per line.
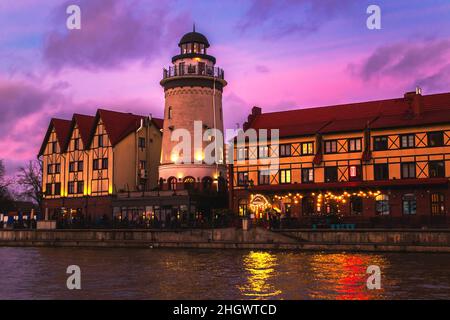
x=307, y=15
x=112, y=32
x=421, y=63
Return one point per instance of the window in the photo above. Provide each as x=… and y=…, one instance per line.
x=80, y=165
x=354, y=173
x=105, y=163
x=242, y=178
x=71, y=187
x=207, y=183
x=435, y=139
x=54, y=147
x=71, y=166
x=189, y=183
x=331, y=174
x=407, y=141
x=307, y=148
x=356, y=205
x=285, y=150
x=76, y=144
x=95, y=164
x=243, y=207
x=331, y=146
x=285, y=176
x=264, y=177
x=57, y=189
x=141, y=143
x=242, y=153
x=142, y=164
x=380, y=143
x=409, y=203
x=263, y=152
x=307, y=206
x=169, y=113
x=436, y=169
x=408, y=170
x=381, y=171
x=49, y=168
x=437, y=203
x=308, y=175
x=382, y=204
x=172, y=183
x=80, y=187
x=48, y=189
x=58, y=168
x=354, y=145
x=100, y=140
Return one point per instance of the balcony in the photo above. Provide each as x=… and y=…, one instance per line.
x=193, y=70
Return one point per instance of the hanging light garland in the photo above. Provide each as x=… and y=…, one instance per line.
x=321, y=196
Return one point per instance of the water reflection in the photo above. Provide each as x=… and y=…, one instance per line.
x=344, y=275
x=260, y=267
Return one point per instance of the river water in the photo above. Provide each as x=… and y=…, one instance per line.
x=40, y=273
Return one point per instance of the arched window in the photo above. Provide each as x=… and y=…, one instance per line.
x=189, y=183
x=172, y=182
x=243, y=207
x=169, y=113
x=409, y=203
x=382, y=204
x=207, y=183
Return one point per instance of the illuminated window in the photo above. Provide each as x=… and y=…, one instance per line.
x=243, y=207
x=354, y=173
x=285, y=176
x=172, y=182
x=382, y=204
x=437, y=203
x=307, y=148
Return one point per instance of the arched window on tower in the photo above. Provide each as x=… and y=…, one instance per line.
x=169, y=113
x=189, y=183
x=172, y=182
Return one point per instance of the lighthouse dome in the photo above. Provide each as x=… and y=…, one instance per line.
x=194, y=37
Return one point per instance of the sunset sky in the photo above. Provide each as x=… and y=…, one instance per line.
x=277, y=54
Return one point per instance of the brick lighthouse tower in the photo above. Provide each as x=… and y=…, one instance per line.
x=193, y=89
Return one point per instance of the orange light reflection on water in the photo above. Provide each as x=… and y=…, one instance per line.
x=260, y=267
x=345, y=275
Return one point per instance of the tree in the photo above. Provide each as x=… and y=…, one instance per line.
x=5, y=196
x=29, y=179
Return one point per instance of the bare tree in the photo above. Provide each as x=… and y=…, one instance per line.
x=29, y=179
x=5, y=196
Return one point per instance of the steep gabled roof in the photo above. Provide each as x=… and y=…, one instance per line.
x=85, y=124
x=391, y=113
x=62, y=128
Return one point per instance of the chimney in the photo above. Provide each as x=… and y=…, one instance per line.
x=256, y=111
x=415, y=101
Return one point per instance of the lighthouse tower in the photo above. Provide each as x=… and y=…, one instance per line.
x=193, y=88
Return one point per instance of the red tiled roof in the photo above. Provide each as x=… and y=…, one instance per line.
x=85, y=124
x=118, y=125
x=355, y=116
x=62, y=128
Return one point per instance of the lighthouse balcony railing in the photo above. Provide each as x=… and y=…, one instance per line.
x=193, y=70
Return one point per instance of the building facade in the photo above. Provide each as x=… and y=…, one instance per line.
x=373, y=163
x=89, y=159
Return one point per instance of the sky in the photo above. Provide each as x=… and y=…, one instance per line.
x=277, y=54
